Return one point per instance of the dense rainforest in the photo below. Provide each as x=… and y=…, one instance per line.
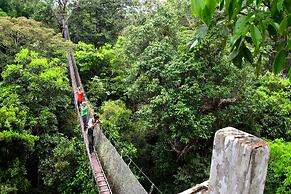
x=163, y=75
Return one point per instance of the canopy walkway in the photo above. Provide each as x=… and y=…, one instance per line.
x=105, y=160
x=98, y=172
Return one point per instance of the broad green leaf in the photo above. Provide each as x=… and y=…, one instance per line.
x=289, y=44
x=289, y=74
x=283, y=25
x=279, y=62
x=280, y=5
x=259, y=66
x=273, y=29
x=241, y=25
x=197, y=7
x=207, y=15
x=226, y=4
x=275, y=25
x=274, y=7
x=231, y=9
x=209, y=10
x=204, y=9
x=211, y=4
x=256, y=35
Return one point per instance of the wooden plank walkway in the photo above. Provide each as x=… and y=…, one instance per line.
x=98, y=173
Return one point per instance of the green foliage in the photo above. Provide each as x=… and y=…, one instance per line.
x=162, y=25
x=15, y=8
x=116, y=123
x=9, y=136
x=18, y=33
x=279, y=62
x=15, y=148
x=43, y=11
x=181, y=107
x=273, y=97
x=180, y=95
x=163, y=92
x=256, y=35
x=40, y=85
x=87, y=56
x=7, y=188
x=175, y=93
x=65, y=167
x=35, y=99
x=279, y=176
x=98, y=22
x=97, y=90
x=204, y=9
x=254, y=26
x=104, y=68
x=263, y=107
x=2, y=13
x=12, y=113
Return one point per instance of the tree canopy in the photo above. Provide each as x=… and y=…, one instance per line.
x=163, y=75
x=259, y=30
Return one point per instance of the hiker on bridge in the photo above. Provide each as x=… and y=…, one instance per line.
x=93, y=122
x=84, y=114
x=80, y=96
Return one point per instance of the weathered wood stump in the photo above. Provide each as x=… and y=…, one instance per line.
x=239, y=163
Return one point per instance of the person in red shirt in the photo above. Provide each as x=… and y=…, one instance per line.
x=80, y=96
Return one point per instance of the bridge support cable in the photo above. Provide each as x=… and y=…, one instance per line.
x=98, y=173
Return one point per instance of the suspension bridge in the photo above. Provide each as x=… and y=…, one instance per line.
x=239, y=160
x=121, y=179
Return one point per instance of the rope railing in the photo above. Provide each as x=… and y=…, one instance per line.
x=77, y=82
x=117, y=145
x=98, y=173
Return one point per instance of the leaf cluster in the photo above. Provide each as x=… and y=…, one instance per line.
x=255, y=26
x=279, y=176
x=18, y=33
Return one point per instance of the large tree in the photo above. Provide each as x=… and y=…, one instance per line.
x=18, y=33
x=98, y=21
x=35, y=98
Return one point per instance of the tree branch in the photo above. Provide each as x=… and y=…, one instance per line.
x=215, y=104
x=186, y=149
